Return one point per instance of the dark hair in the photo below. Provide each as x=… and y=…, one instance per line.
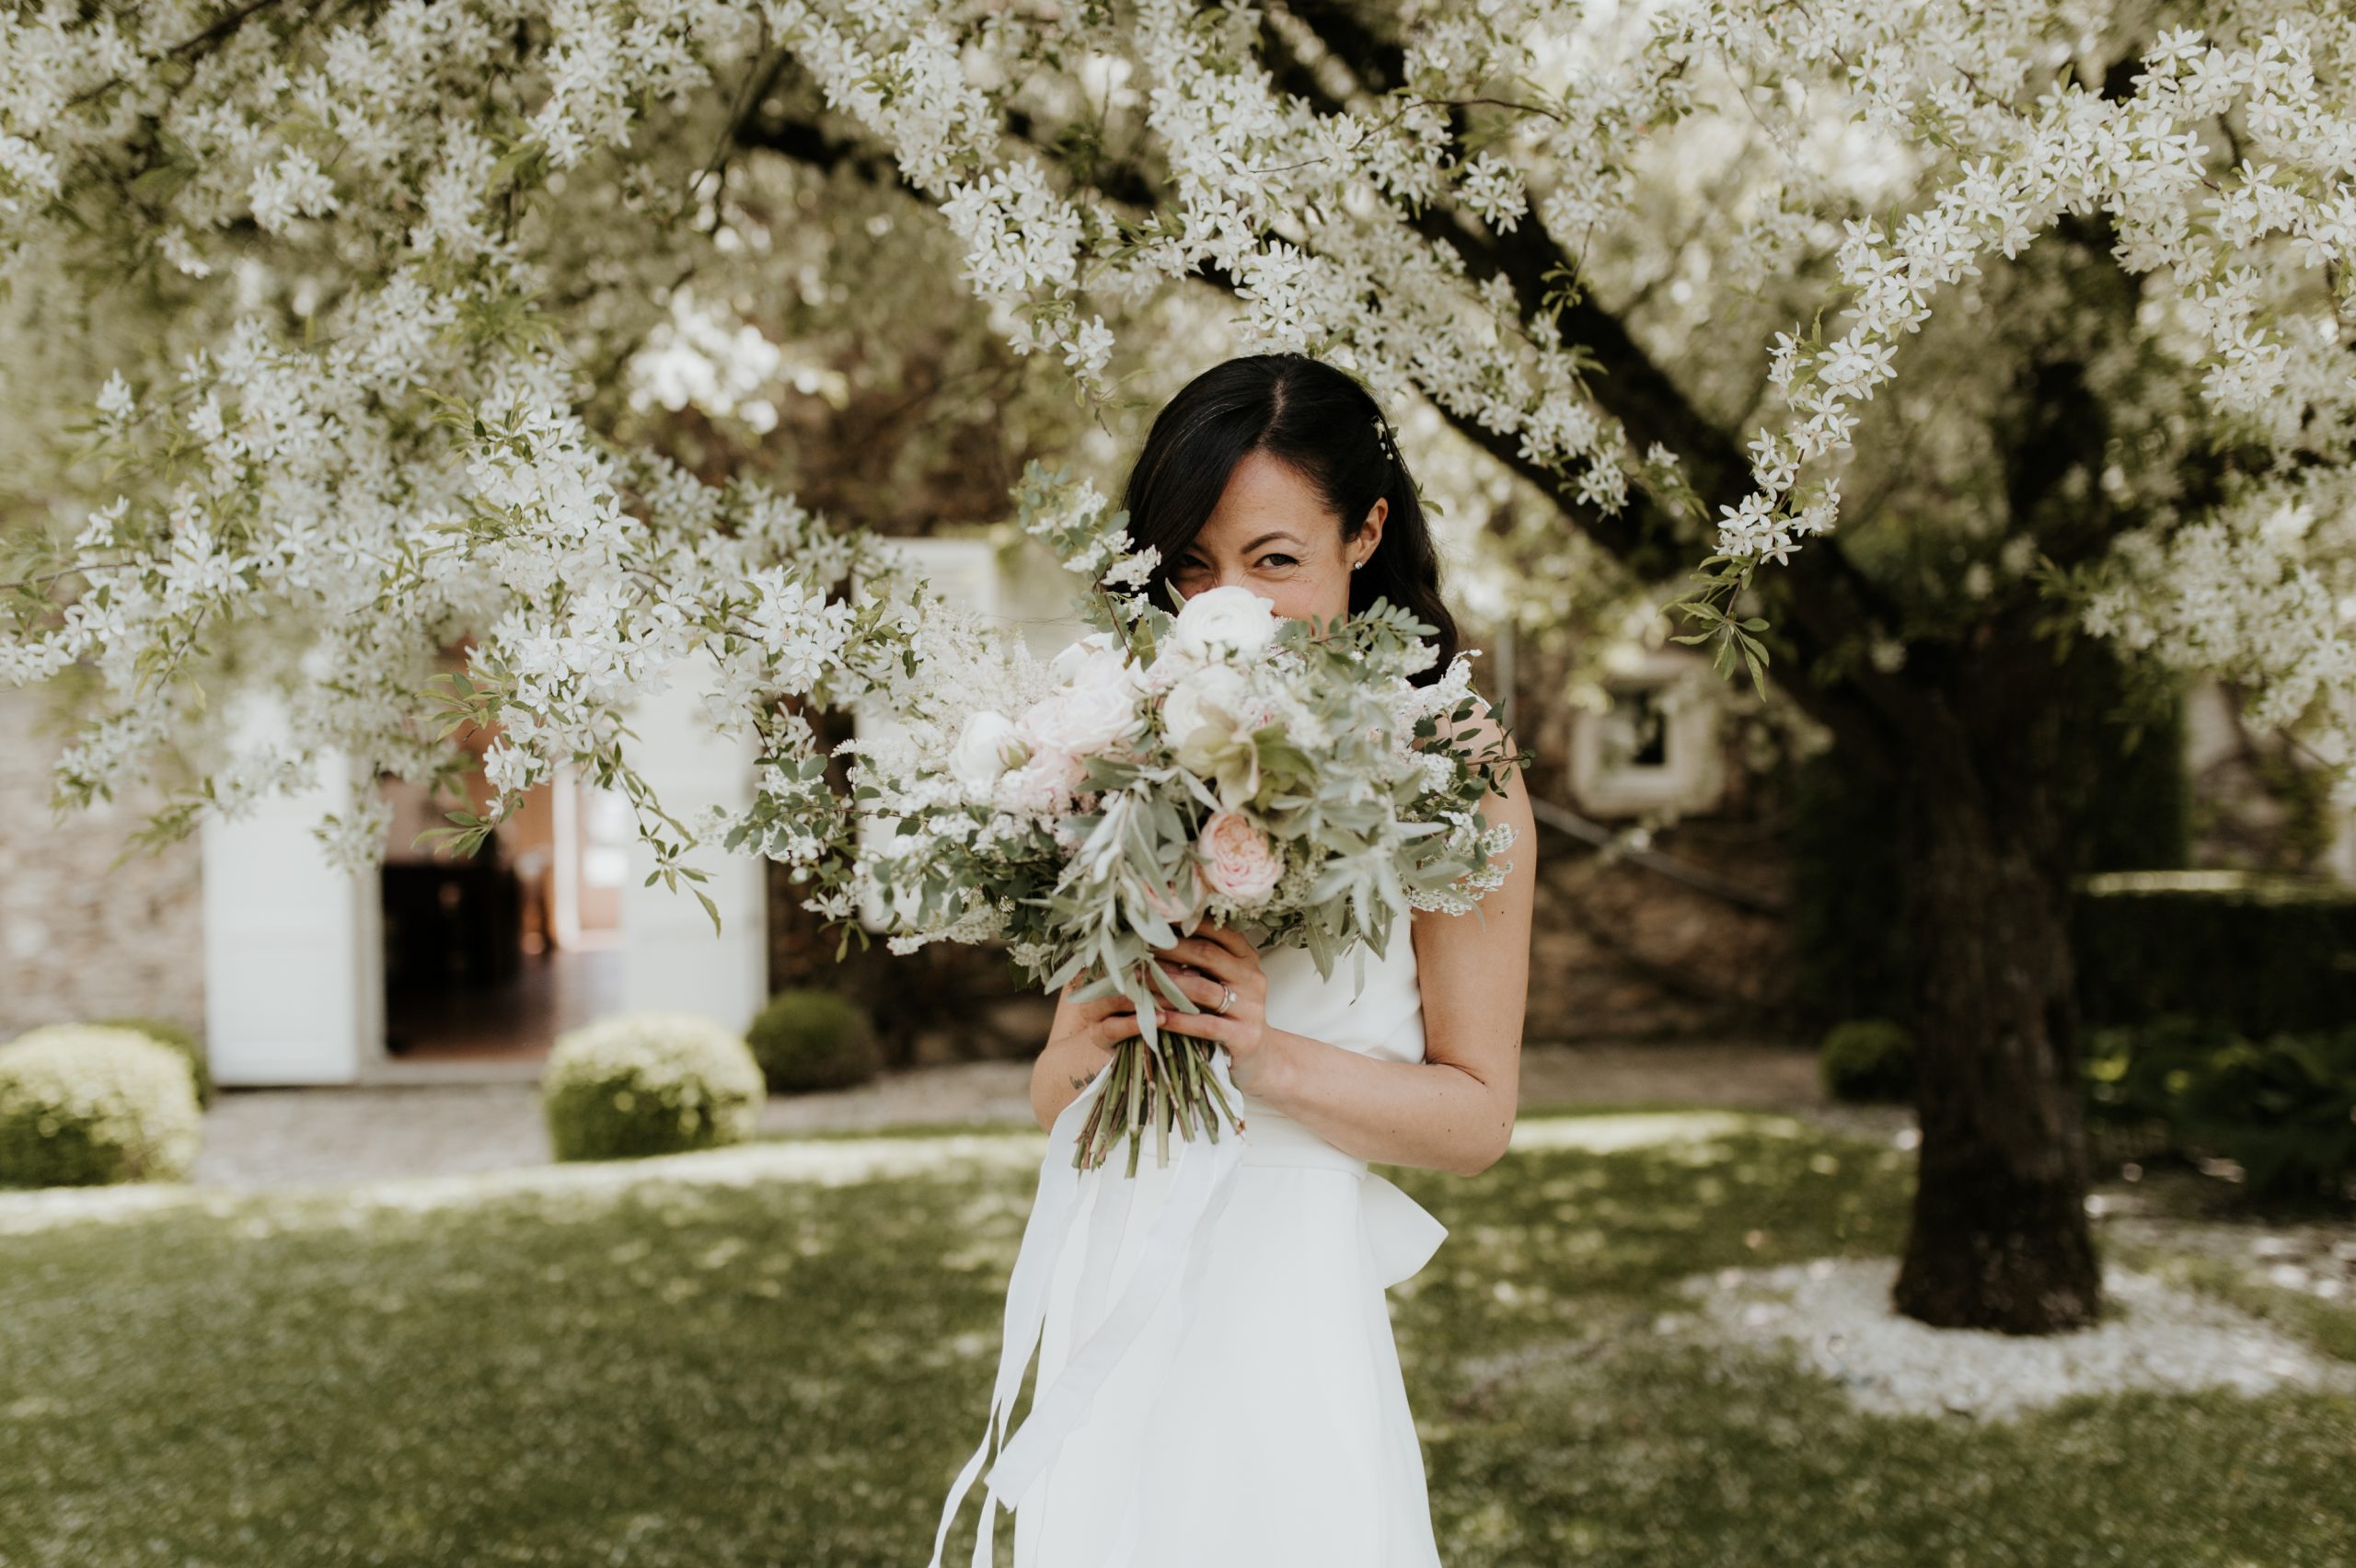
x=1321, y=422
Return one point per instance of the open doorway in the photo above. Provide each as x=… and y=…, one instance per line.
x=489, y=957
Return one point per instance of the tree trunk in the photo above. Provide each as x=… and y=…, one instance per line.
x=1999, y=1239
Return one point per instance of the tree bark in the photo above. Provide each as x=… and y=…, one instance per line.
x=1999, y=1238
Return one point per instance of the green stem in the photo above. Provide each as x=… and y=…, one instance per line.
x=1168, y=1086
x=1211, y=1081
x=1160, y=1111
x=1183, y=1103
x=1135, y=1125
x=1116, y=1092
x=1095, y=1117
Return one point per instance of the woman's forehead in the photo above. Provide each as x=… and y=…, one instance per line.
x=1265, y=496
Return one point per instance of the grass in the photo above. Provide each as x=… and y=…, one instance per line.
x=655, y=1370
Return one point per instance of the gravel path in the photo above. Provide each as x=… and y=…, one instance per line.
x=266, y=1138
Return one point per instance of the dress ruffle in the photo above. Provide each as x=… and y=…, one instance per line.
x=1110, y=1307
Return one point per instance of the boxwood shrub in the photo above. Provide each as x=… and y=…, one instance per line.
x=184, y=1041
x=1868, y=1059
x=2282, y=1107
x=649, y=1083
x=82, y=1105
x=810, y=1040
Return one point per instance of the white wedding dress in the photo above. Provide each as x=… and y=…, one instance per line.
x=1217, y=1382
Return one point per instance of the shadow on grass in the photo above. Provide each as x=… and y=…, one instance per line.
x=660, y=1369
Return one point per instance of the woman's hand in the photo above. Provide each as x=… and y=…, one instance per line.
x=1103, y=1024
x=1204, y=965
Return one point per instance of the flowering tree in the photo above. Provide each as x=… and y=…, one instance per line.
x=390, y=249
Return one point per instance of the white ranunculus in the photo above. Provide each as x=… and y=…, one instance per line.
x=1081, y=719
x=1044, y=785
x=1216, y=694
x=1224, y=620
x=1094, y=659
x=990, y=745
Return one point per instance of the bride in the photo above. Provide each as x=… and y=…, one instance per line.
x=1256, y=1416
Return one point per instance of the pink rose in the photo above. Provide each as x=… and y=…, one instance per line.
x=1238, y=861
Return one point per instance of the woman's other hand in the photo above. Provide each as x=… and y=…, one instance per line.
x=1204, y=965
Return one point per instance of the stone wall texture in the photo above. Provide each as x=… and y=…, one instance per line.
x=78, y=939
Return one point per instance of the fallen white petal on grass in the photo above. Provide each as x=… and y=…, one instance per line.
x=823, y=1161
x=1836, y=1316
x=818, y=1162
x=1610, y=1133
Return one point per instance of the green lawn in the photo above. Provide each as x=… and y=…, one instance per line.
x=657, y=1370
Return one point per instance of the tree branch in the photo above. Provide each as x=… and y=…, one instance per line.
x=1819, y=600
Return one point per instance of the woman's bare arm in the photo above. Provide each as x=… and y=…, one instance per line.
x=1453, y=1111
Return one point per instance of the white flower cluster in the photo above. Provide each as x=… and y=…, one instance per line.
x=325, y=509
x=2264, y=591
x=1968, y=113
x=328, y=514
x=2207, y=232
x=1069, y=517
x=1221, y=762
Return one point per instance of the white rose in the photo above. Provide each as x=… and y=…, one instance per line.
x=989, y=747
x=1044, y=785
x=1095, y=660
x=1232, y=619
x=1191, y=702
x=1080, y=720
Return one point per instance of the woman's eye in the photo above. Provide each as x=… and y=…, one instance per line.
x=1277, y=560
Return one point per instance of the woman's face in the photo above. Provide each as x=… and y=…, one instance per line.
x=1273, y=534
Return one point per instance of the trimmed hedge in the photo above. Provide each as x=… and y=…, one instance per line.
x=649, y=1083
x=184, y=1041
x=82, y=1105
x=1852, y=954
x=808, y=1040
x=2128, y=809
x=1868, y=1059
x=2258, y=955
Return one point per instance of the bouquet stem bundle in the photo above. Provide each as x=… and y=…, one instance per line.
x=1164, y=1084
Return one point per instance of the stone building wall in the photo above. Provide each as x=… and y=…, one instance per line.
x=77, y=940
x=1621, y=954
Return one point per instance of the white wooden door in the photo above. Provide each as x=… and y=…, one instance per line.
x=294, y=946
x=672, y=959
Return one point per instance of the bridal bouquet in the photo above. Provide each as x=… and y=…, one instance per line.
x=1220, y=763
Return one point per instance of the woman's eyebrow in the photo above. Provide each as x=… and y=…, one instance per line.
x=1290, y=538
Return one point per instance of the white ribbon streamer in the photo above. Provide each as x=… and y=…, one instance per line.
x=1026, y=1306
x=1124, y=1541
x=1204, y=1177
